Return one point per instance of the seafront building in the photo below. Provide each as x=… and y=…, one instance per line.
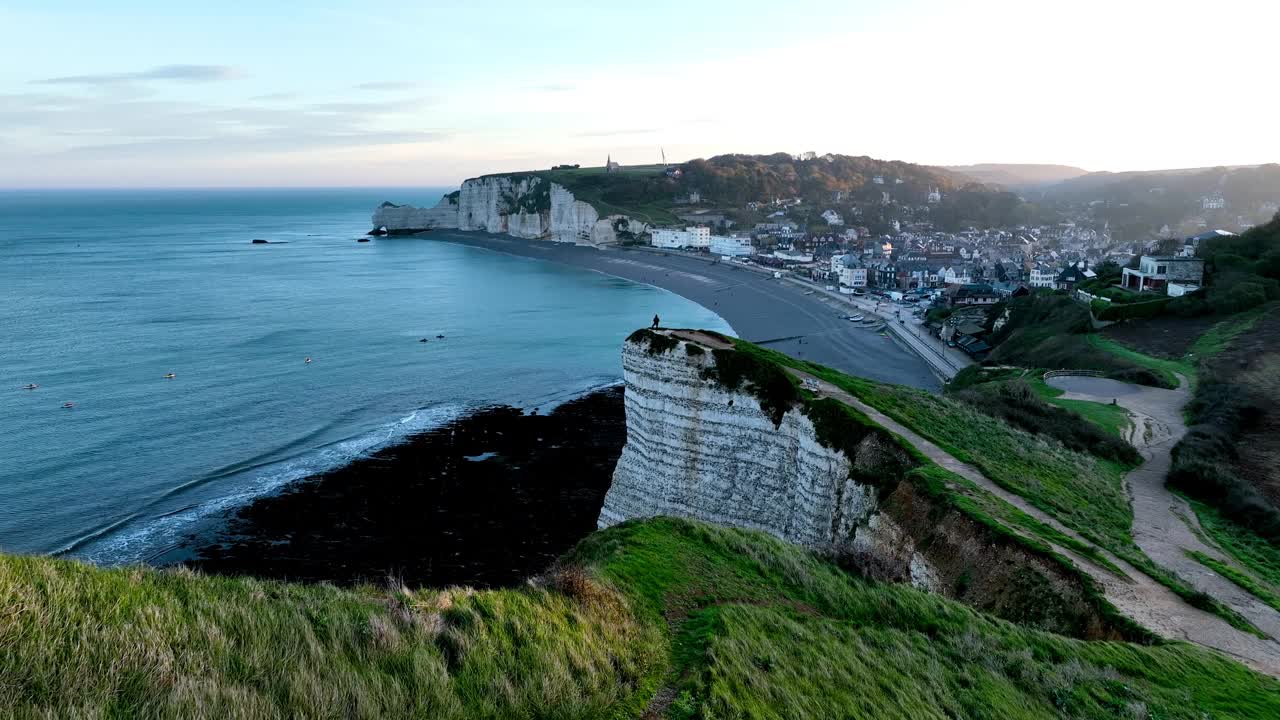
x=674, y=239
x=728, y=246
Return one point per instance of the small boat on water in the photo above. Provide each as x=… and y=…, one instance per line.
x=169, y=376
x=308, y=361
x=30, y=386
x=68, y=405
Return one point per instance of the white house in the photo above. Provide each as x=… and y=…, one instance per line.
x=1213, y=202
x=934, y=196
x=852, y=273
x=671, y=238
x=955, y=275
x=832, y=217
x=729, y=246
x=1156, y=273
x=1042, y=276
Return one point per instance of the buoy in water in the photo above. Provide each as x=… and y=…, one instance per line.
x=308, y=361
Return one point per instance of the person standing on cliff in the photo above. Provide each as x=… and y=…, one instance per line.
x=655, y=322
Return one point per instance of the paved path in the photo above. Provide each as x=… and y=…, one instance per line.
x=1138, y=596
x=1163, y=522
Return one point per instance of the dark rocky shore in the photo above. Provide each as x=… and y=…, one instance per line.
x=487, y=500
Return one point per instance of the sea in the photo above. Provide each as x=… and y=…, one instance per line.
x=203, y=370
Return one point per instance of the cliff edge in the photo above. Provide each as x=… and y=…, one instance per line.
x=718, y=433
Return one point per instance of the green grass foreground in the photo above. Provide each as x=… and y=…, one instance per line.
x=714, y=622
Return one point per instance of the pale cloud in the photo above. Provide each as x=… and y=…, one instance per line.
x=387, y=85
x=274, y=97
x=175, y=73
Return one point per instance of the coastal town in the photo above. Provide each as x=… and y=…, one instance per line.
x=918, y=273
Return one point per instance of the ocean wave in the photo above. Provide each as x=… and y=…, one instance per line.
x=144, y=535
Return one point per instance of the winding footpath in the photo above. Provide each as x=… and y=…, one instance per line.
x=1164, y=526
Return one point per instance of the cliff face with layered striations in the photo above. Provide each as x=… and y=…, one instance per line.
x=697, y=449
x=721, y=435
x=526, y=206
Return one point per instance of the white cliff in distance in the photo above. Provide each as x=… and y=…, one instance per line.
x=523, y=206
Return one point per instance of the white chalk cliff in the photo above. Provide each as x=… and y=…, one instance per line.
x=526, y=206
x=696, y=449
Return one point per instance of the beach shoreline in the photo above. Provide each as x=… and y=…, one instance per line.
x=486, y=500
x=759, y=308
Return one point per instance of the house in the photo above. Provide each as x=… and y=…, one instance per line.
x=673, y=172
x=672, y=238
x=851, y=272
x=1009, y=289
x=878, y=180
x=979, y=294
x=956, y=275
x=730, y=246
x=1042, y=276
x=935, y=197
x=610, y=166
x=832, y=217
x=1213, y=202
x=1073, y=275
x=1155, y=272
x=1195, y=240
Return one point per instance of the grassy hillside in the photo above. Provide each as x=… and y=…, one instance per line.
x=1083, y=491
x=685, y=619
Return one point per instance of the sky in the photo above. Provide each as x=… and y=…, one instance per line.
x=378, y=93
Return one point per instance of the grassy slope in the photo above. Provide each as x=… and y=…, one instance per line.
x=1166, y=368
x=765, y=630
x=1254, y=553
x=79, y=640
x=1246, y=581
x=1083, y=492
x=736, y=623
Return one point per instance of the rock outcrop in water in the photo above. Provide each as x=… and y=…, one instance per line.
x=525, y=206
x=737, y=454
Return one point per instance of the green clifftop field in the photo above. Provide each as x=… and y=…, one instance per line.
x=677, y=617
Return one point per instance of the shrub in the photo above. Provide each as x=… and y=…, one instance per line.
x=1238, y=298
x=1134, y=311
x=1203, y=460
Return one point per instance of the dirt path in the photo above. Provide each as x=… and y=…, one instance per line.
x=1139, y=597
x=1163, y=522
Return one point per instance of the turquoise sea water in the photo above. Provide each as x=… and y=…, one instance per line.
x=103, y=293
